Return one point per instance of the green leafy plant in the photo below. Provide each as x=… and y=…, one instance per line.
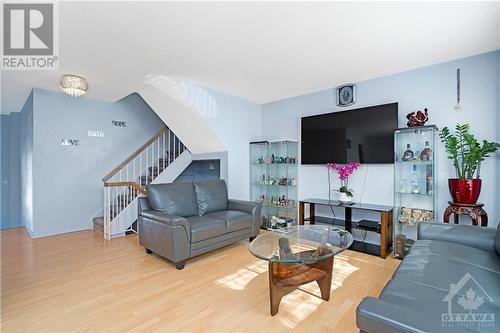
x=465, y=150
x=344, y=189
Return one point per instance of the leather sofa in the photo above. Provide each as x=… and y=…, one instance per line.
x=419, y=298
x=182, y=220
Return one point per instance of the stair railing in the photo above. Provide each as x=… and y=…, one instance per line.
x=129, y=179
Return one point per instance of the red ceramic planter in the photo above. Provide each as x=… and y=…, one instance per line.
x=464, y=191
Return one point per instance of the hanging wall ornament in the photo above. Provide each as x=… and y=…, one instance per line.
x=457, y=106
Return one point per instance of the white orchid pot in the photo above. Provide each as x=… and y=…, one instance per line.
x=342, y=196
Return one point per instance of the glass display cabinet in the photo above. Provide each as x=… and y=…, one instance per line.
x=273, y=181
x=414, y=188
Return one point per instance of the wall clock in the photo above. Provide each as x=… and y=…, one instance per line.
x=346, y=95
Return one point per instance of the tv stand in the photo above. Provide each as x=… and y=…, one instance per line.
x=384, y=229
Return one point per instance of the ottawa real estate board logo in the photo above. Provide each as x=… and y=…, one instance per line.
x=468, y=305
x=30, y=41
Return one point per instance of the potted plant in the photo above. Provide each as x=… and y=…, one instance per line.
x=344, y=171
x=466, y=153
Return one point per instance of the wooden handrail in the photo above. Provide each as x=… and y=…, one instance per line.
x=134, y=154
x=133, y=184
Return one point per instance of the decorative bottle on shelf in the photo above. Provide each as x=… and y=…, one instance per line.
x=414, y=180
x=430, y=179
x=403, y=185
x=408, y=154
x=426, y=154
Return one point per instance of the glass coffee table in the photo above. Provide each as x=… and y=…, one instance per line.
x=298, y=255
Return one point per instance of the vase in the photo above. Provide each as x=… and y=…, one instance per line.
x=344, y=197
x=464, y=191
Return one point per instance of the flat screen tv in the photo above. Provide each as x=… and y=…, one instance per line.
x=363, y=135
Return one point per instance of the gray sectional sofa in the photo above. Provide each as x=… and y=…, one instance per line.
x=182, y=220
x=449, y=282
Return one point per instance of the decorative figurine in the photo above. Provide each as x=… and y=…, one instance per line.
x=418, y=118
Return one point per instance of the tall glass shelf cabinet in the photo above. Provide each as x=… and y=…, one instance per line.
x=414, y=187
x=273, y=181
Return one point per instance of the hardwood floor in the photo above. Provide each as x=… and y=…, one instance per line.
x=79, y=282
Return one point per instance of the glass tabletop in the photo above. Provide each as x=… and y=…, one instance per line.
x=301, y=244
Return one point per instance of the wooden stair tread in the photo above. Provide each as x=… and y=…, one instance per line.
x=303, y=275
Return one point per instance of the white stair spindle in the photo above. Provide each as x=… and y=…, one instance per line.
x=118, y=195
x=150, y=163
x=147, y=165
x=108, y=227
x=168, y=154
x=111, y=208
x=110, y=195
x=158, y=159
x=164, y=150
x=133, y=176
x=179, y=147
x=127, y=189
x=108, y=217
x=105, y=211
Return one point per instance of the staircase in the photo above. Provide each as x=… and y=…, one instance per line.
x=161, y=159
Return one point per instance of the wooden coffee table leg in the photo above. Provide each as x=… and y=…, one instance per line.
x=276, y=293
x=325, y=284
x=320, y=271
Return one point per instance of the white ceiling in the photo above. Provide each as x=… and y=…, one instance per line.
x=258, y=51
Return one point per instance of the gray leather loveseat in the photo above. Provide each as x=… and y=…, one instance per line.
x=182, y=220
x=449, y=282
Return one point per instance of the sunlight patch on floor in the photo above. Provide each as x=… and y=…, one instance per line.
x=260, y=266
x=341, y=271
x=296, y=307
x=240, y=279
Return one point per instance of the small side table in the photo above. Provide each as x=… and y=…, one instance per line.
x=475, y=211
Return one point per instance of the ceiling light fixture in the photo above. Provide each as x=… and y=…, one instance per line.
x=74, y=86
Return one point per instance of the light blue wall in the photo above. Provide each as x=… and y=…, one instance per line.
x=5, y=171
x=26, y=164
x=433, y=87
x=11, y=178
x=67, y=188
x=15, y=166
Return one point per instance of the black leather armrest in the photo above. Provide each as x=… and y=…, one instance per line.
x=167, y=219
x=249, y=207
x=377, y=316
x=478, y=237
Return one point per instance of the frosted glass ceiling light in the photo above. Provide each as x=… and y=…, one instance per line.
x=74, y=86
